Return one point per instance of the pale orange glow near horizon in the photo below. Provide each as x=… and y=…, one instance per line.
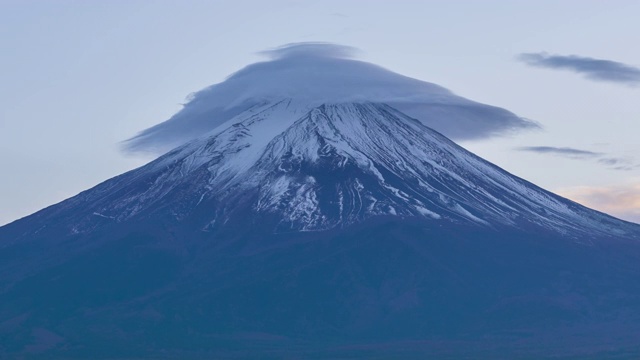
x=622, y=201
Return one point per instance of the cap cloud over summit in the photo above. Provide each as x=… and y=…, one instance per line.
x=320, y=73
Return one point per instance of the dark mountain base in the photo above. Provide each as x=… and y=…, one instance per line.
x=388, y=288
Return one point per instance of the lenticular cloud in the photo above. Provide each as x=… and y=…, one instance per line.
x=322, y=73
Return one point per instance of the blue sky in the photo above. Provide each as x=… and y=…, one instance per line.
x=79, y=77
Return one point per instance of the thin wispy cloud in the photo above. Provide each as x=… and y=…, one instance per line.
x=561, y=151
x=619, y=163
x=616, y=163
x=590, y=68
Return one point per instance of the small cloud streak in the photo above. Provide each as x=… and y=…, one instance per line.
x=622, y=201
x=561, y=151
x=590, y=68
x=615, y=163
x=618, y=163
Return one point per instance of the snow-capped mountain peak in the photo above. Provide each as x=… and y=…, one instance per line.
x=308, y=167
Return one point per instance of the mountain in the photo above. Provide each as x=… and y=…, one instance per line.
x=298, y=229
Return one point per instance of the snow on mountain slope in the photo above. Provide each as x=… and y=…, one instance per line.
x=309, y=168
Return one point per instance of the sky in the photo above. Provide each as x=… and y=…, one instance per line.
x=77, y=78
